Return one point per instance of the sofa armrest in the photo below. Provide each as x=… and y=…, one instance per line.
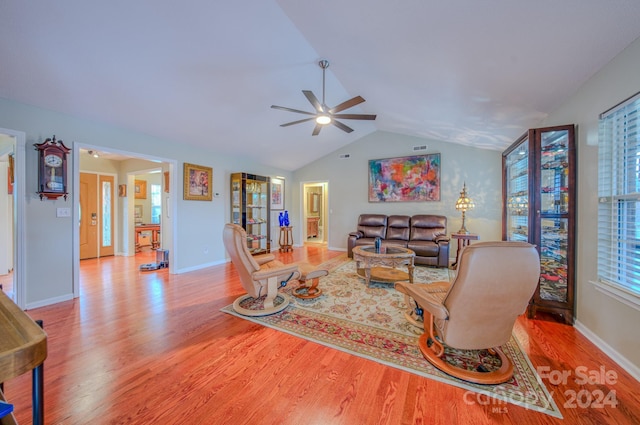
x=357, y=234
x=441, y=239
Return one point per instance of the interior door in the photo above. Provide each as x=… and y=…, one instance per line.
x=88, y=215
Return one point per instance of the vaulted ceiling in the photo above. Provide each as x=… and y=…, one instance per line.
x=205, y=73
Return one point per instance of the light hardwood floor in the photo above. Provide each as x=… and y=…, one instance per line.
x=154, y=348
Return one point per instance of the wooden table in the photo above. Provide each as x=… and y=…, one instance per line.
x=154, y=229
x=286, y=239
x=464, y=239
x=382, y=266
x=23, y=347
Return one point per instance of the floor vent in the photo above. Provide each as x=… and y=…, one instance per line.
x=420, y=148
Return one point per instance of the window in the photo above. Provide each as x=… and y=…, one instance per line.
x=619, y=197
x=156, y=203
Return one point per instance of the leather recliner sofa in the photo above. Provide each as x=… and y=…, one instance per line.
x=424, y=234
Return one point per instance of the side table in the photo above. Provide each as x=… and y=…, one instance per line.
x=286, y=239
x=464, y=239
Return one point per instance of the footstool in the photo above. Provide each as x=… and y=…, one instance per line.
x=309, y=273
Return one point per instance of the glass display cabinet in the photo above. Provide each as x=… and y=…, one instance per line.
x=539, y=208
x=250, y=209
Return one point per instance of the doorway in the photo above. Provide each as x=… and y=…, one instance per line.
x=315, y=214
x=7, y=231
x=116, y=175
x=12, y=194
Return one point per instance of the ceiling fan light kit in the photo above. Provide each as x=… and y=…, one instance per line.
x=323, y=114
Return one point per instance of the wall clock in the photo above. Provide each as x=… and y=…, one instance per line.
x=52, y=169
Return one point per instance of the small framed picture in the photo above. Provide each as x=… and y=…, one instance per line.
x=197, y=182
x=277, y=193
x=122, y=190
x=141, y=189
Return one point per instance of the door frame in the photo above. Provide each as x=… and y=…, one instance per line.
x=325, y=207
x=170, y=227
x=19, y=193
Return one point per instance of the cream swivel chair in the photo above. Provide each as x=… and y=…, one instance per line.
x=493, y=286
x=261, y=275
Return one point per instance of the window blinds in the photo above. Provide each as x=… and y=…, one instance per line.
x=619, y=195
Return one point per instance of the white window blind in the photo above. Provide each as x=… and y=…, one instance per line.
x=619, y=196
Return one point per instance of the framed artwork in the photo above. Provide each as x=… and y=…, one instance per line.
x=10, y=176
x=277, y=193
x=197, y=182
x=166, y=181
x=141, y=189
x=122, y=190
x=137, y=214
x=405, y=179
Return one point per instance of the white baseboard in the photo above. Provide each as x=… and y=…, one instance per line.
x=201, y=266
x=622, y=361
x=49, y=301
x=333, y=248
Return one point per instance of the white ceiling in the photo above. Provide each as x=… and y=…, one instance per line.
x=205, y=72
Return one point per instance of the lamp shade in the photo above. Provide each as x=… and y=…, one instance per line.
x=464, y=203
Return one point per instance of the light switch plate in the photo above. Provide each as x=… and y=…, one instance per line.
x=63, y=212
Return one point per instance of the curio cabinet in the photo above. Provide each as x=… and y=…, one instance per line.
x=539, y=208
x=250, y=209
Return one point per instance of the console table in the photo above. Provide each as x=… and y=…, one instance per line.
x=464, y=239
x=154, y=229
x=23, y=347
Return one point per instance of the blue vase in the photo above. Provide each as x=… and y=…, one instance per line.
x=286, y=218
x=377, y=244
x=281, y=219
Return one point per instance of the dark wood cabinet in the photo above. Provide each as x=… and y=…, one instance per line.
x=539, y=208
x=250, y=208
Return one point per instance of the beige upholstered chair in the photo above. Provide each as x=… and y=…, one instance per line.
x=261, y=275
x=493, y=285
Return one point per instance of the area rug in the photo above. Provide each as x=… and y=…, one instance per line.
x=369, y=322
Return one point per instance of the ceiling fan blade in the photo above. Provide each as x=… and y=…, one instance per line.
x=316, y=129
x=292, y=110
x=296, y=122
x=355, y=116
x=341, y=126
x=313, y=100
x=347, y=104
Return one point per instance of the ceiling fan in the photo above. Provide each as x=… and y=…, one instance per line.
x=325, y=115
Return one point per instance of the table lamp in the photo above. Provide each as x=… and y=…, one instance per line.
x=464, y=203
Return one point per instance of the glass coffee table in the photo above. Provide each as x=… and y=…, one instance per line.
x=383, y=266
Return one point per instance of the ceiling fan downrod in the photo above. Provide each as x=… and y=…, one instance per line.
x=324, y=64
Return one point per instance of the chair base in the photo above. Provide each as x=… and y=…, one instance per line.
x=499, y=376
x=309, y=273
x=307, y=292
x=250, y=306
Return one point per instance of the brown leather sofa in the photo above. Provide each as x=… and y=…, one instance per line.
x=424, y=234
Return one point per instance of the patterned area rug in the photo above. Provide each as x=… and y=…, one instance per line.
x=370, y=323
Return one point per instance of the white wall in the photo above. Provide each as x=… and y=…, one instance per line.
x=49, y=242
x=615, y=323
x=481, y=169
